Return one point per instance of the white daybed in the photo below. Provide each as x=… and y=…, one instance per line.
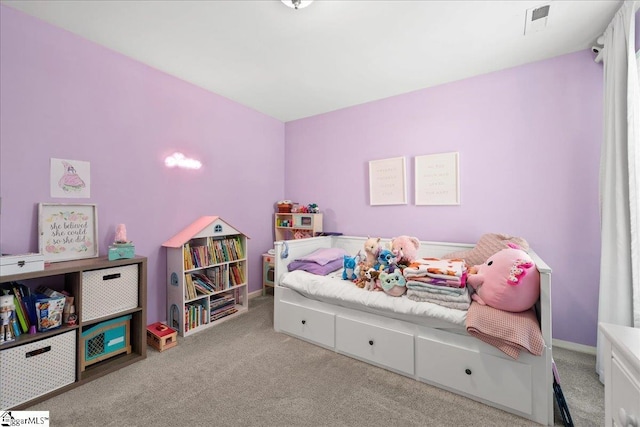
x=437, y=351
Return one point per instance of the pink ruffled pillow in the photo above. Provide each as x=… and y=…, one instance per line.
x=488, y=245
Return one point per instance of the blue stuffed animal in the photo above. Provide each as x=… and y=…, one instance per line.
x=349, y=271
x=387, y=261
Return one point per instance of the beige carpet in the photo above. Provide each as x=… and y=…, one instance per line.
x=242, y=373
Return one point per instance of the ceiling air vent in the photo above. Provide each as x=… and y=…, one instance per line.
x=536, y=19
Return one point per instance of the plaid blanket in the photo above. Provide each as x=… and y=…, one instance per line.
x=509, y=332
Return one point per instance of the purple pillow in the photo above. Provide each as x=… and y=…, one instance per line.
x=315, y=268
x=324, y=256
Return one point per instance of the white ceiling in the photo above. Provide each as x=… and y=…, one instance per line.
x=333, y=54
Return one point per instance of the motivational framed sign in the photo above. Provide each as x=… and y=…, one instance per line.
x=438, y=179
x=387, y=182
x=67, y=232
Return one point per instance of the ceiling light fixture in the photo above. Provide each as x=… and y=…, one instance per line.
x=297, y=4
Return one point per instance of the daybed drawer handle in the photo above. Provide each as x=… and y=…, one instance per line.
x=304, y=321
x=370, y=342
x=467, y=371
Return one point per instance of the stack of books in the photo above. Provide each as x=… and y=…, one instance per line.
x=222, y=306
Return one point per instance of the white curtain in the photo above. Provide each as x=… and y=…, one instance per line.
x=619, y=301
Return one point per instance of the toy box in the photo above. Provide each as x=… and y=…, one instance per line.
x=17, y=264
x=161, y=337
x=284, y=206
x=105, y=340
x=121, y=251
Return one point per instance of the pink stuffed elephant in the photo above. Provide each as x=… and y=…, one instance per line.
x=508, y=280
x=405, y=248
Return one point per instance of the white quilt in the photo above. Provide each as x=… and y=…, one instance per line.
x=332, y=289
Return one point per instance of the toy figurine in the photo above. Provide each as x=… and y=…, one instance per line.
x=122, y=248
x=73, y=317
x=121, y=234
x=6, y=310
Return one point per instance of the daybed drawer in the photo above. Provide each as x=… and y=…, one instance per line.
x=502, y=381
x=313, y=325
x=383, y=346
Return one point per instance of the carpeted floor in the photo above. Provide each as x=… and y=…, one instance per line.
x=243, y=373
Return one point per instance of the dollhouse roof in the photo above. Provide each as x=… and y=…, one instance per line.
x=202, y=227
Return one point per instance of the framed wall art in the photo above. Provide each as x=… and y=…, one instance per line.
x=387, y=182
x=67, y=231
x=437, y=179
x=70, y=178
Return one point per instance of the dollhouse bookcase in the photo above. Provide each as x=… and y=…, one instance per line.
x=207, y=277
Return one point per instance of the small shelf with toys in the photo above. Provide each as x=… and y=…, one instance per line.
x=294, y=221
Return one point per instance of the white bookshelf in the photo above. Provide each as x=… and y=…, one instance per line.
x=207, y=275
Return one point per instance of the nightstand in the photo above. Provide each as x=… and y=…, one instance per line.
x=621, y=364
x=268, y=272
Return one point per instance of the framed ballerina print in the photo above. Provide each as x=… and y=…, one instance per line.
x=67, y=232
x=70, y=178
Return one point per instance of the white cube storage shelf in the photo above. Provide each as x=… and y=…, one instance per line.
x=109, y=291
x=32, y=370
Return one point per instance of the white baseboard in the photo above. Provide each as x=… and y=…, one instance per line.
x=254, y=294
x=580, y=348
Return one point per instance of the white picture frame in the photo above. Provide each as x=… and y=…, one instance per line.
x=387, y=182
x=70, y=178
x=437, y=179
x=67, y=231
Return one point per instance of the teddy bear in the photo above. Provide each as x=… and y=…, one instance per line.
x=393, y=284
x=508, y=280
x=372, y=250
x=405, y=248
x=360, y=272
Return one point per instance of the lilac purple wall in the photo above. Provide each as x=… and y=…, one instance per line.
x=529, y=142
x=528, y=138
x=64, y=97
